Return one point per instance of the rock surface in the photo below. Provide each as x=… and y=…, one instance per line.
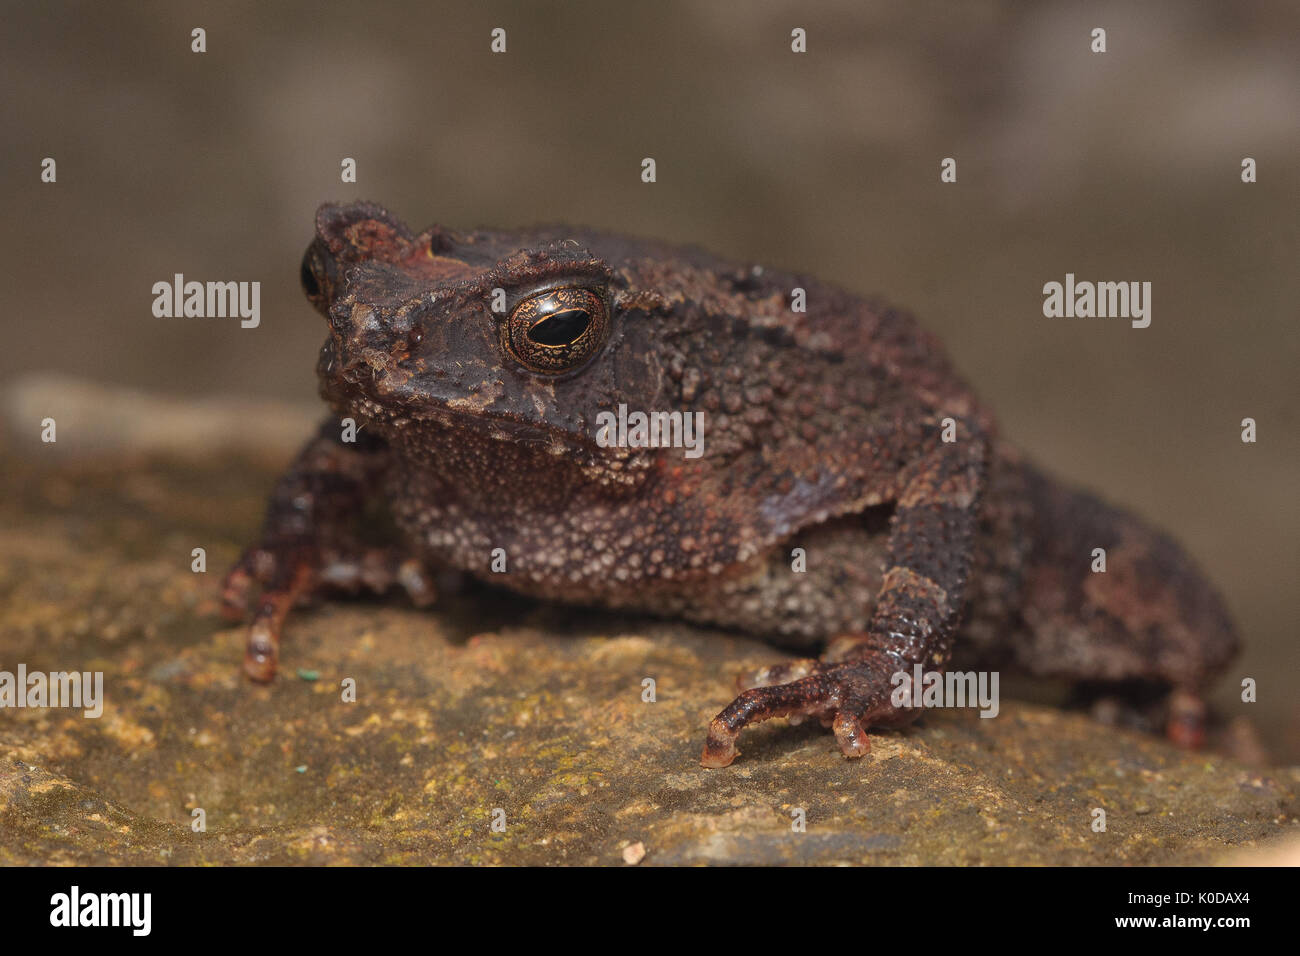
x=486, y=706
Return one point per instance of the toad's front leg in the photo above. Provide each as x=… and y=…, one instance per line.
x=307, y=543
x=918, y=609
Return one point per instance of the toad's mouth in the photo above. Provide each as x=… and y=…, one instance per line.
x=442, y=407
x=459, y=424
x=460, y=446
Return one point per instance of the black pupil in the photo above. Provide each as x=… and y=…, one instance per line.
x=561, y=328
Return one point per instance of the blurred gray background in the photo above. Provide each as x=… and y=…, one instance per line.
x=1122, y=166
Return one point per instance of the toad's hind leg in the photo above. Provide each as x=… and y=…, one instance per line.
x=1150, y=621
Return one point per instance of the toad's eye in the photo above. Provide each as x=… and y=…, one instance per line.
x=308, y=275
x=560, y=328
x=313, y=278
x=557, y=330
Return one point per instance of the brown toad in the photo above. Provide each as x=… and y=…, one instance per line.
x=481, y=370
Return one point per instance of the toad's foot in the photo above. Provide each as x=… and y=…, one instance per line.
x=848, y=696
x=1186, y=719
x=291, y=573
